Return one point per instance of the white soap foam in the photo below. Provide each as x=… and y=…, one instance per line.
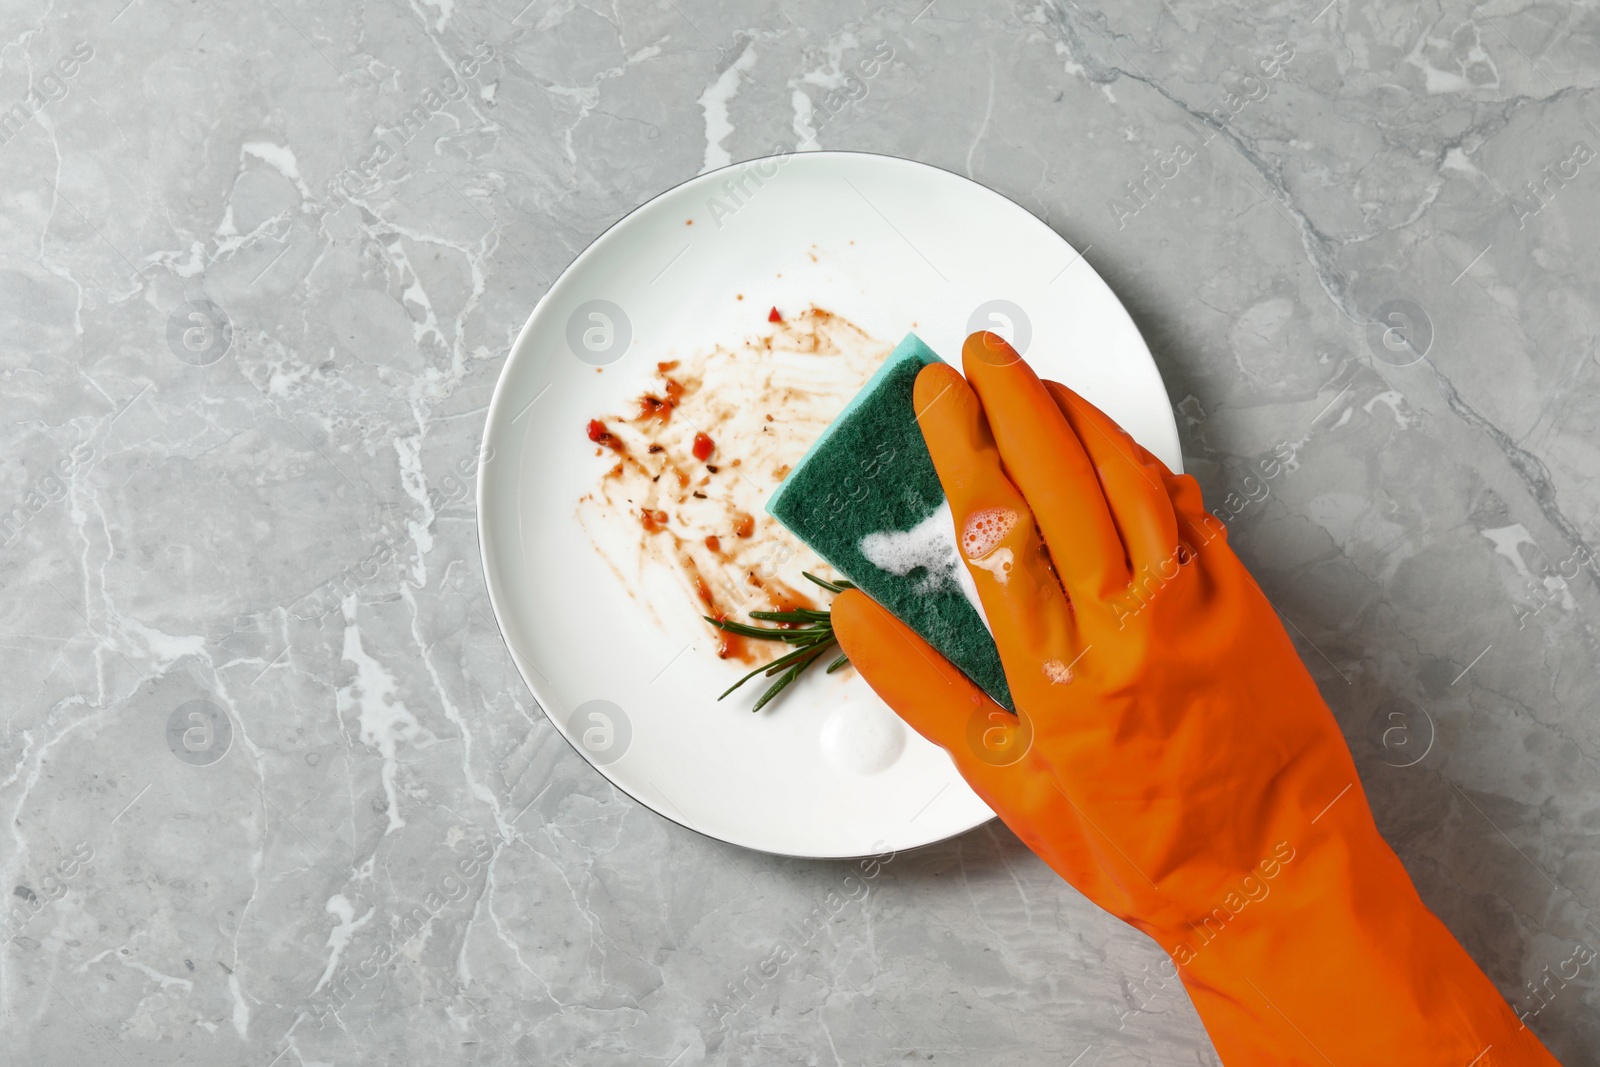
x=1058, y=672
x=930, y=544
x=863, y=737
x=985, y=530
x=998, y=564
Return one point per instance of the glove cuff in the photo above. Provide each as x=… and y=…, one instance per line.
x=1327, y=950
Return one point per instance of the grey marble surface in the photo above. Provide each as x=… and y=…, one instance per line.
x=260, y=265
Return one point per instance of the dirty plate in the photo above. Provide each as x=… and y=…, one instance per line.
x=889, y=244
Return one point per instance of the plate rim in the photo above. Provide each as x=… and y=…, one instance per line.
x=498, y=399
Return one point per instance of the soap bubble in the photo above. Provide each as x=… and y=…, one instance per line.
x=985, y=530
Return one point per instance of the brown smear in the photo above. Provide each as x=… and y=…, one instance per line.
x=705, y=522
x=601, y=435
x=660, y=408
x=729, y=646
x=783, y=597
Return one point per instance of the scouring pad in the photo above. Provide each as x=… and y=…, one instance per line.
x=866, y=498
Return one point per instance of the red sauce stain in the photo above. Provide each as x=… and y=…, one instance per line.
x=602, y=436
x=650, y=404
x=784, y=598
x=670, y=482
x=773, y=316
x=734, y=646
x=658, y=407
x=729, y=646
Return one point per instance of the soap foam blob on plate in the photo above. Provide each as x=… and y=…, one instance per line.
x=862, y=737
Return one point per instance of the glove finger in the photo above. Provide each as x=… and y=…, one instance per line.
x=1022, y=598
x=925, y=689
x=1196, y=525
x=1159, y=491
x=1050, y=466
x=984, y=740
x=1135, y=482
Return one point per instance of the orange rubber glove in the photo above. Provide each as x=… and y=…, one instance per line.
x=1170, y=756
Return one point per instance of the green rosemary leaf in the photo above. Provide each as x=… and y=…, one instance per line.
x=798, y=615
x=766, y=633
x=778, y=664
x=809, y=630
x=783, y=661
x=743, y=680
x=788, y=677
x=832, y=587
x=799, y=653
x=777, y=687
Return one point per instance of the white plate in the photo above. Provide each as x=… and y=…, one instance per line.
x=883, y=241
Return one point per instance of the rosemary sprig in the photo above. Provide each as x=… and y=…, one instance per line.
x=832, y=587
x=811, y=631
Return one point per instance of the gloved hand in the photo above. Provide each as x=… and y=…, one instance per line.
x=1170, y=756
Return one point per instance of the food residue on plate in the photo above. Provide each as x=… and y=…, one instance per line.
x=696, y=451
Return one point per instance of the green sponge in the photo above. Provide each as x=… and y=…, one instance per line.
x=867, y=499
